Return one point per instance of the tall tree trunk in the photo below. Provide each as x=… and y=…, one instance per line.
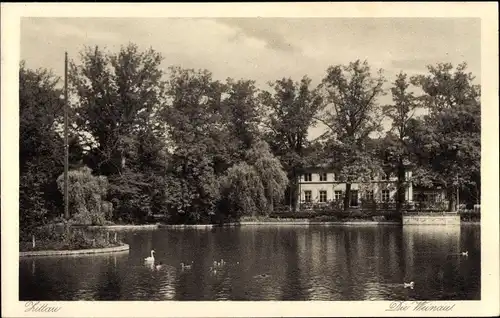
x=271, y=204
x=293, y=191
x=400, y=195
x=451, y=199
x=347, y=196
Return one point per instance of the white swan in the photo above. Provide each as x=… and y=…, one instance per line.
x=151, y=258
x=466, y=253
x=409, y=285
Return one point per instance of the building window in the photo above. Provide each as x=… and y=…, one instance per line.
x=308, y=196
x=338, y=195
x=322, y=196
x=335, y=177
x=322, y=177
x=385, y=195
x=307, y=177
x=369, y=195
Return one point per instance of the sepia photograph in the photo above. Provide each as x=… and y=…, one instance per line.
x=255, y=158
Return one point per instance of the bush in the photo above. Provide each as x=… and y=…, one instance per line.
x=380, y=218
x=470, y=215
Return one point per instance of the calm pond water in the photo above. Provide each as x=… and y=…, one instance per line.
x=270, y=263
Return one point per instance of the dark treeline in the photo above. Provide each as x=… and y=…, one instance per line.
x=180, y=143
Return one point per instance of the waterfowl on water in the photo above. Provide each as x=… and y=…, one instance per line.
x=466, y=253
x=159, y=266
x=150, y=258
x=185, y=266
x=409, y=285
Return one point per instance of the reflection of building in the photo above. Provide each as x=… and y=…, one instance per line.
x=320, y=185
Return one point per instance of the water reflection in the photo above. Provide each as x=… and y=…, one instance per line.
x=269, y=263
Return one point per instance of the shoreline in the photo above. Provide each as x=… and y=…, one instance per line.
x=125, y=247
x=251, y=223
x=121, y=248
x=119, y=227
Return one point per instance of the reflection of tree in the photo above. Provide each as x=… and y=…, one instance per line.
x=350, y=263
x=349, y=284
x=471, y=269
x=432, y=260
x=291, y=286
x=109, y=286
x=62, y=278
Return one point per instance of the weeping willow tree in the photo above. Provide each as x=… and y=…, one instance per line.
x=253, y=186
x=86, y=196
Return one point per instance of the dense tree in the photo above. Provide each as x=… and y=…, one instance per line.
x=117, y=100
x=445, y=87
x=291, y=109
x=41, y=154
x=196, y=140
x=395, y=147
x=351, y=92
x=448, y=145
x=86, y=196
x=183, y=144
x=274, y=180
x=117, y=95
x=253, y=186
x=448, y=140
x=242, y=114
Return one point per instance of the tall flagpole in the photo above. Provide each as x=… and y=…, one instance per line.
x=66, y=151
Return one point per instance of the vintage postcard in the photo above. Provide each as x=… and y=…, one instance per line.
x=250, y=159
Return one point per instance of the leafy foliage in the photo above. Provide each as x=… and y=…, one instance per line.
x=119, y=100
x=196, y=139
x=351, y=92
x=395, y=150
x=40, y=147
x=448, y=139
x=291, y=109
x=194, y=149
x=86, y=196
x=252, y=187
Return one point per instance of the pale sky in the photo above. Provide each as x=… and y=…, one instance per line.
x=264, y=49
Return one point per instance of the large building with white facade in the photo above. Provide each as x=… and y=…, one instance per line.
x=318, y=185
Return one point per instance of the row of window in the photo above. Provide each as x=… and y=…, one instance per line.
x=324, y=177
x=385, y=195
